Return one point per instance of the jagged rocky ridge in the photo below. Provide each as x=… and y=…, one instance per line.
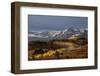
x=53, y=35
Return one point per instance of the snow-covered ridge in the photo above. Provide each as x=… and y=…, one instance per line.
x=44, y=33
x=49, y=35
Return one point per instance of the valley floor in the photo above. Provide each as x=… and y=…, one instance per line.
x=58, y=49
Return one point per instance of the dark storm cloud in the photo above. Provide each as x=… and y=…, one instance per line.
x=49, y=23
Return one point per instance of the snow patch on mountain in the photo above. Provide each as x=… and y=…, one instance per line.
x=50, y=35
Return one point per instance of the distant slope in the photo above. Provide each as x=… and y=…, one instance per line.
x=52, y=35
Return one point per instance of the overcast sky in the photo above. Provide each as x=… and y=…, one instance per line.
x=49, y=23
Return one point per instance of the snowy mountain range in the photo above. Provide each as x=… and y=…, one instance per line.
x=51, y=35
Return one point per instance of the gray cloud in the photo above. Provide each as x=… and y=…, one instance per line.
x=49, y=23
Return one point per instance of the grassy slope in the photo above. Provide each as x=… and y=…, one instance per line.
x=59, y=49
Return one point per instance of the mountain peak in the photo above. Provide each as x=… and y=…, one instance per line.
x=50, y=35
